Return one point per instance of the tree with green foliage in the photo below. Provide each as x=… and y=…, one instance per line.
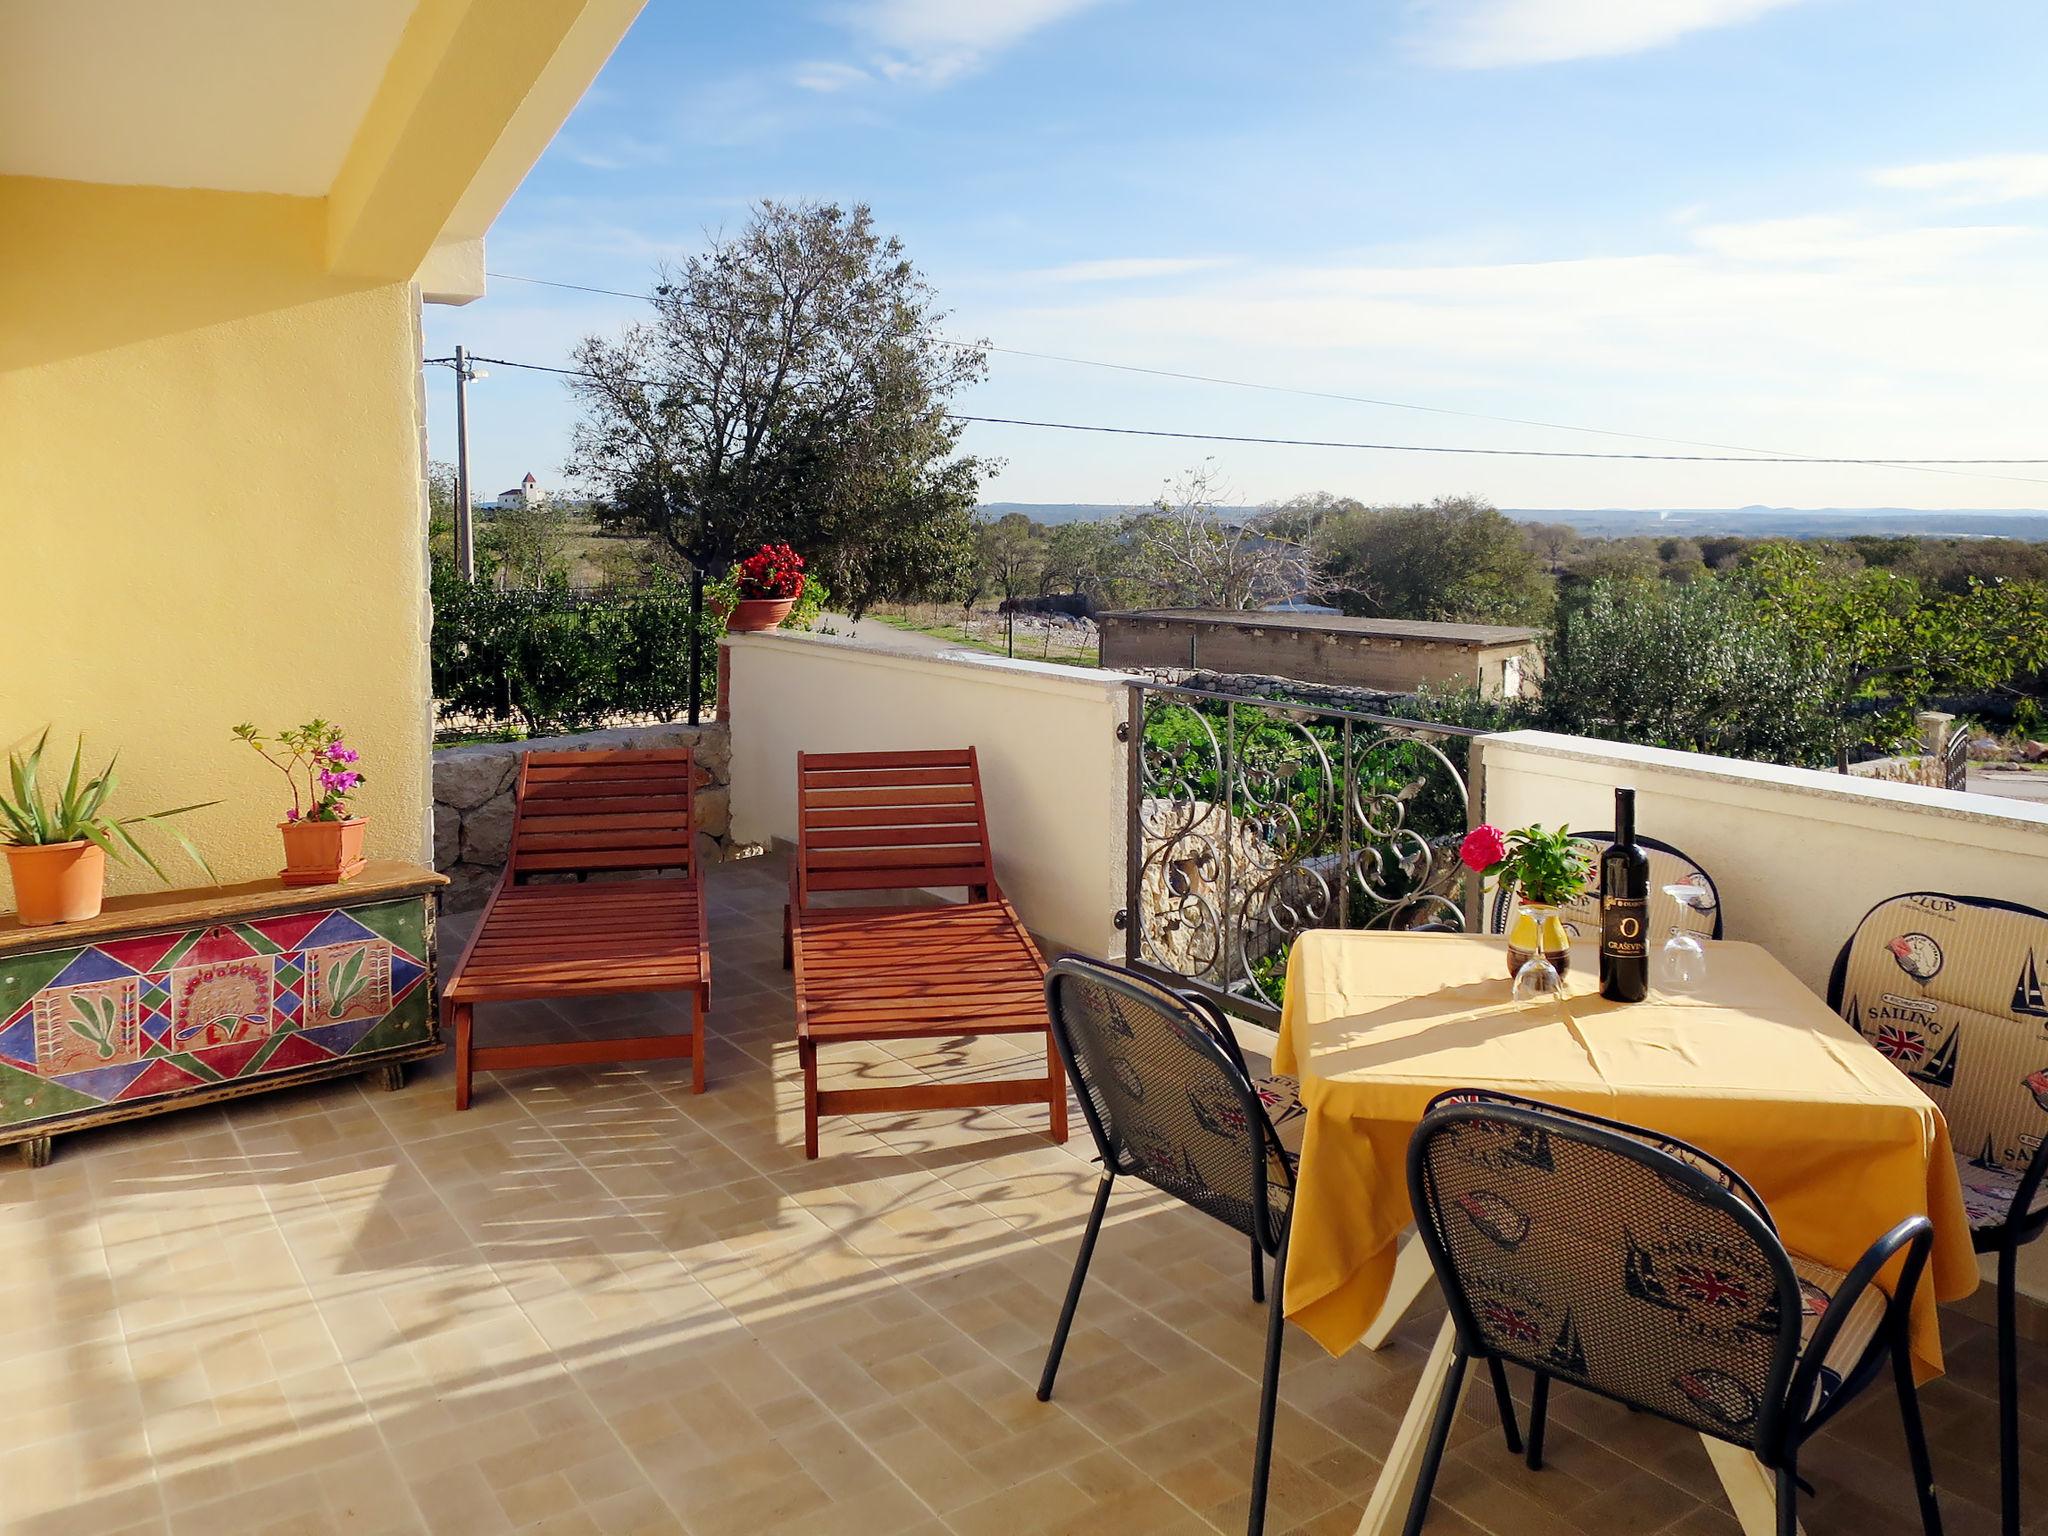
x=792, y=386
x=1087, y=558
x=1456, y=560
x=1707, y=666
x=1892, y=645
x=526, y=546
x=1010, y=552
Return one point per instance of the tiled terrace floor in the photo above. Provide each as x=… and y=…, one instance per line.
x=594, y=1303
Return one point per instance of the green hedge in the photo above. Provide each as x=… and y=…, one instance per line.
x=558, y=660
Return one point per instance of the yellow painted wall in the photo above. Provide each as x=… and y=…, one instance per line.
x=211, y=505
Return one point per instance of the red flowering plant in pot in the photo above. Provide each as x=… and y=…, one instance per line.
x=763, y=589
x=1546, y=870
x=323, y=837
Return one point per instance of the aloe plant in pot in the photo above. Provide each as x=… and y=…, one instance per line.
x=57, y=846
x=323, y=837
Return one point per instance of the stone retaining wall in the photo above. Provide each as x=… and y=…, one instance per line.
x=473, y=798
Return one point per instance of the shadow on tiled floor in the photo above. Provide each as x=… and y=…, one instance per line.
x=596, y=1303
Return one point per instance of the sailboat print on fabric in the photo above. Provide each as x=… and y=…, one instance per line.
x=2027, y=998
x=1568, y=1351
x=1987, y=1157
x=1940, y=1068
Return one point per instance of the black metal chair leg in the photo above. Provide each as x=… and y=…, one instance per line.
x=1539, y=1409
x=2008, y=1391
x=1258, y=1273
x=1788, y=1499
x=1059, y=1335
x=1916, y=1434
x=1269, y=1392
x=1432, y=1457
x=1507, y=1404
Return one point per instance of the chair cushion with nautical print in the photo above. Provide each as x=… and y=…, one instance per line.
x=1281, y=1096
x=1988, y=1194
x=1951, y=989
x=1668, y=866
x=1817, y=1287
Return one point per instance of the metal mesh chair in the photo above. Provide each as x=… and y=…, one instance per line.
x=1168, y=1097
x=1668, y=866
x=1950, y=989
x=1586, y=1251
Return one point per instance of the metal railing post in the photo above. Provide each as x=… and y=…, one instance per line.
x=1344, y=835
x=1134, y=825
x=1228, y=811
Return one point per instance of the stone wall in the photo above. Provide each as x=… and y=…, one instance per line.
x=473, y=798
x=1269, y=689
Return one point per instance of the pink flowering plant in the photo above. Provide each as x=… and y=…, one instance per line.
x=318, y=764
x=1547, y=867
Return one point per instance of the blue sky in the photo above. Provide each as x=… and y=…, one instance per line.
x=1810, y=226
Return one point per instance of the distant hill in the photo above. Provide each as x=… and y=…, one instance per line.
x=1623, y=522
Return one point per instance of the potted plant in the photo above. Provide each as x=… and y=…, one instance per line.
x=1545, y=870
x=763, y=589
x=57, y=848
x=323, y=838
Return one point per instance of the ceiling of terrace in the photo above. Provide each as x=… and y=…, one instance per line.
x=303, y=74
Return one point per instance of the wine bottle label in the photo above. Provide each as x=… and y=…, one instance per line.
x=1623, y=925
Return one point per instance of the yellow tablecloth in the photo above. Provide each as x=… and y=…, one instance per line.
x=1756, y=1070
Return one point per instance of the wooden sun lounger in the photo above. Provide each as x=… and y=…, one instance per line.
x=590, y=813
x=905, y=821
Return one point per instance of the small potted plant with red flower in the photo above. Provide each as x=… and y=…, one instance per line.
x=323, y=837
x=766, y=585
x=1546, y=870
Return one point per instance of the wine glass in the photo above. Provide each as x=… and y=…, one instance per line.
x=1682, y=962
x=1537, y=929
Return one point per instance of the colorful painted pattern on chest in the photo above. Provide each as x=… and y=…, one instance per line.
x=135, y=1018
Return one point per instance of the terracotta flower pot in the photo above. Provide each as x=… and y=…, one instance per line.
x=57, y=882
x=322, y=852
x=753, y=614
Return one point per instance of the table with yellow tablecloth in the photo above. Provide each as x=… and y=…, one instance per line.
x=1754, y=1069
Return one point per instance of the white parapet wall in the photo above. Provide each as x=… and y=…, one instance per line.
x=1053, y=771
x=1799, y=855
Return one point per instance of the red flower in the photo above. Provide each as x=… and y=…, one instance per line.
x=1483, y=848
x=774, y=570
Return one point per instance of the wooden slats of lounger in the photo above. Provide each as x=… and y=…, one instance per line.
x=587, y=813
x=878, y=821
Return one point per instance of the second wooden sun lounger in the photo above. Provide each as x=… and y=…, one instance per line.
x=907, y=822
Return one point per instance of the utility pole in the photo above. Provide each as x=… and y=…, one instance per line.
x=465, y=534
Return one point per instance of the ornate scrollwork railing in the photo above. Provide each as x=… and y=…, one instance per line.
x=1252, y=820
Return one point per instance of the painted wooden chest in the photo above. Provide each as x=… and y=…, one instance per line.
x=188, y=997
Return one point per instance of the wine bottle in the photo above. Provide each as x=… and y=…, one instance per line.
x=1624, y=909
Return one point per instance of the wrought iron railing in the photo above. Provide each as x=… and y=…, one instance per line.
x=1955, y=759
x=1251, y=820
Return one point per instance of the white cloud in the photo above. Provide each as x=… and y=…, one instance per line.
x=1829, y=335
x=1825, y=240
x=1974, y=182
x=932, y=42
x=1496, y=34
x=1123, y=269
x=827, y=77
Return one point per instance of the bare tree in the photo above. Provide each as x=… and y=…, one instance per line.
x=1189, y=554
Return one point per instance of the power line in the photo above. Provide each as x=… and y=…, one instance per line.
x=548, y=282
x=1373, y=447
x=1750, y=454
